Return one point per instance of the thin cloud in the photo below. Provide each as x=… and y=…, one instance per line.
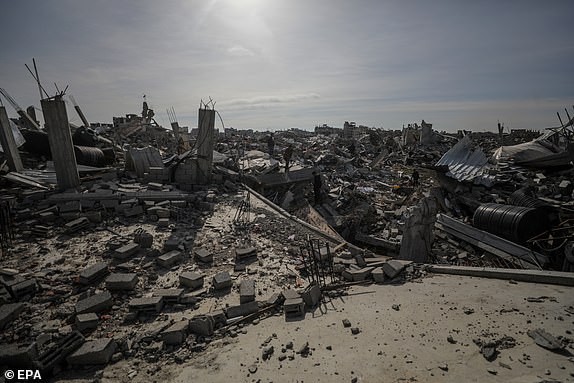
x=267, y=100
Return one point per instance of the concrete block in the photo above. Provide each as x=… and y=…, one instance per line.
x=378, y=275
x=170, y=296
x=202, y=325
x=241, y=310
x=393, y=267
x=18, y=355
x=203, y=255
x=247, y=291
x=148, y=305
x=159, y=212
x=275, y=299
x=171, y=243
x=176, y=333
x=170, y=259
x=94, y=273
x=21, y=289
x=356, y=275
x=222, y=281
x=76, y=225
x=95, y=303
x=191, y=280
x=50, y=358
x=144, y=239
x=163, y=222
x=9, y=313
x=290, y=294
x=311, y=296
x=122, y=281
x=245, y=252
x=126, y=251
x=218, y=317
x=93, y=352
x=294, y=307
x=86, y=321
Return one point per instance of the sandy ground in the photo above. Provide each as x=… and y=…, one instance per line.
x=408, y=344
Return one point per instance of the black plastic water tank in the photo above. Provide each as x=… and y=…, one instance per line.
x=86, y=155
x=515, y=223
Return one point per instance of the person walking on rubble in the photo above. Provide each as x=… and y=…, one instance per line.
x=270, y=144
x=317, y=184
x=415, y=177
x=287, y=154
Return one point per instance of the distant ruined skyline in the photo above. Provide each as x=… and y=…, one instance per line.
x=293, y=63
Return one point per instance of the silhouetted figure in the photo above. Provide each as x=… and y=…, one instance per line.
x=317, y=184
x=270, y=144
x=415, y=177
x=287, y=154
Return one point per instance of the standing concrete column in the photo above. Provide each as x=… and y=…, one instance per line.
x=61, y=145
x=8, y=143
x=205, y=145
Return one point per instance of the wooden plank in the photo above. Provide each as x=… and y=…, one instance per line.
x=534, y=276
x=9, y=143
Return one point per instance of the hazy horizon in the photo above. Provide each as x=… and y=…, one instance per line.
x=282, y=64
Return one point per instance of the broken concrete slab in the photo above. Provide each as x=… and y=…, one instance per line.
x=191, y=280
x=311, y=295
x=93, y=352
x=241, y=310
x=121, y=281
x=546, y=340
x=357, y=275
x=245, y=252
x=378, y=275
x=202, y=325
x=18, y=355
x=394, y=267
x=9, y=313
x=95, y=303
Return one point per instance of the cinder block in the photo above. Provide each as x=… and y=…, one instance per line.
x=21, y=289
x=95, y=303
x=218, y=317
x=294, y=307
x=247, y=291
x=203, y=255
x=222, y=281
x=163, y=222
x=356, y=275
x=93, y=352
x=378, y=275
x=393, y=267
x=241, y=310
x=86, y=321
x=144, y=239
x=245, y=252
x=126, y=251
x=176, y=333
x=18, y=355
x=159, y=211
x=191, y=280
x=149, y=305
x=171, y=243
x=94, y=273
x=170, y=296
x=170, y=259
x=122, y=281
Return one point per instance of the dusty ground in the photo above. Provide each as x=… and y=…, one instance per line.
x=408, y=344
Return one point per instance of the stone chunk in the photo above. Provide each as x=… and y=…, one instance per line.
x=86, y=321
x=247, y=291
x=203, y=255
x=9, y=313
x=222, y=281
x=150, y=305
x=122, y=281
x=170, y=259
x=126, y=251
x=93, y=352
x=95, y=303
x=176, y=333
x=191, y=280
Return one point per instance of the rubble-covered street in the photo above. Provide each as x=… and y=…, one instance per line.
x=152, y=254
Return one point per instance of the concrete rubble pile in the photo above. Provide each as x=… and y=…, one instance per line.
x=171, y=242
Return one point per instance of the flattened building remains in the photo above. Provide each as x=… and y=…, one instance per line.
x=133, y=245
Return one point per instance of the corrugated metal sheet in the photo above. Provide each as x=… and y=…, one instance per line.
x=466, y=163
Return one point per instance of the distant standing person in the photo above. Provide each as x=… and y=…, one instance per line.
x=317, y=184
x=287, y=154
x=415, y=177
x=270, y=144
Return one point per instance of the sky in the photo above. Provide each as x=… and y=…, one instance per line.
x=278, y=64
